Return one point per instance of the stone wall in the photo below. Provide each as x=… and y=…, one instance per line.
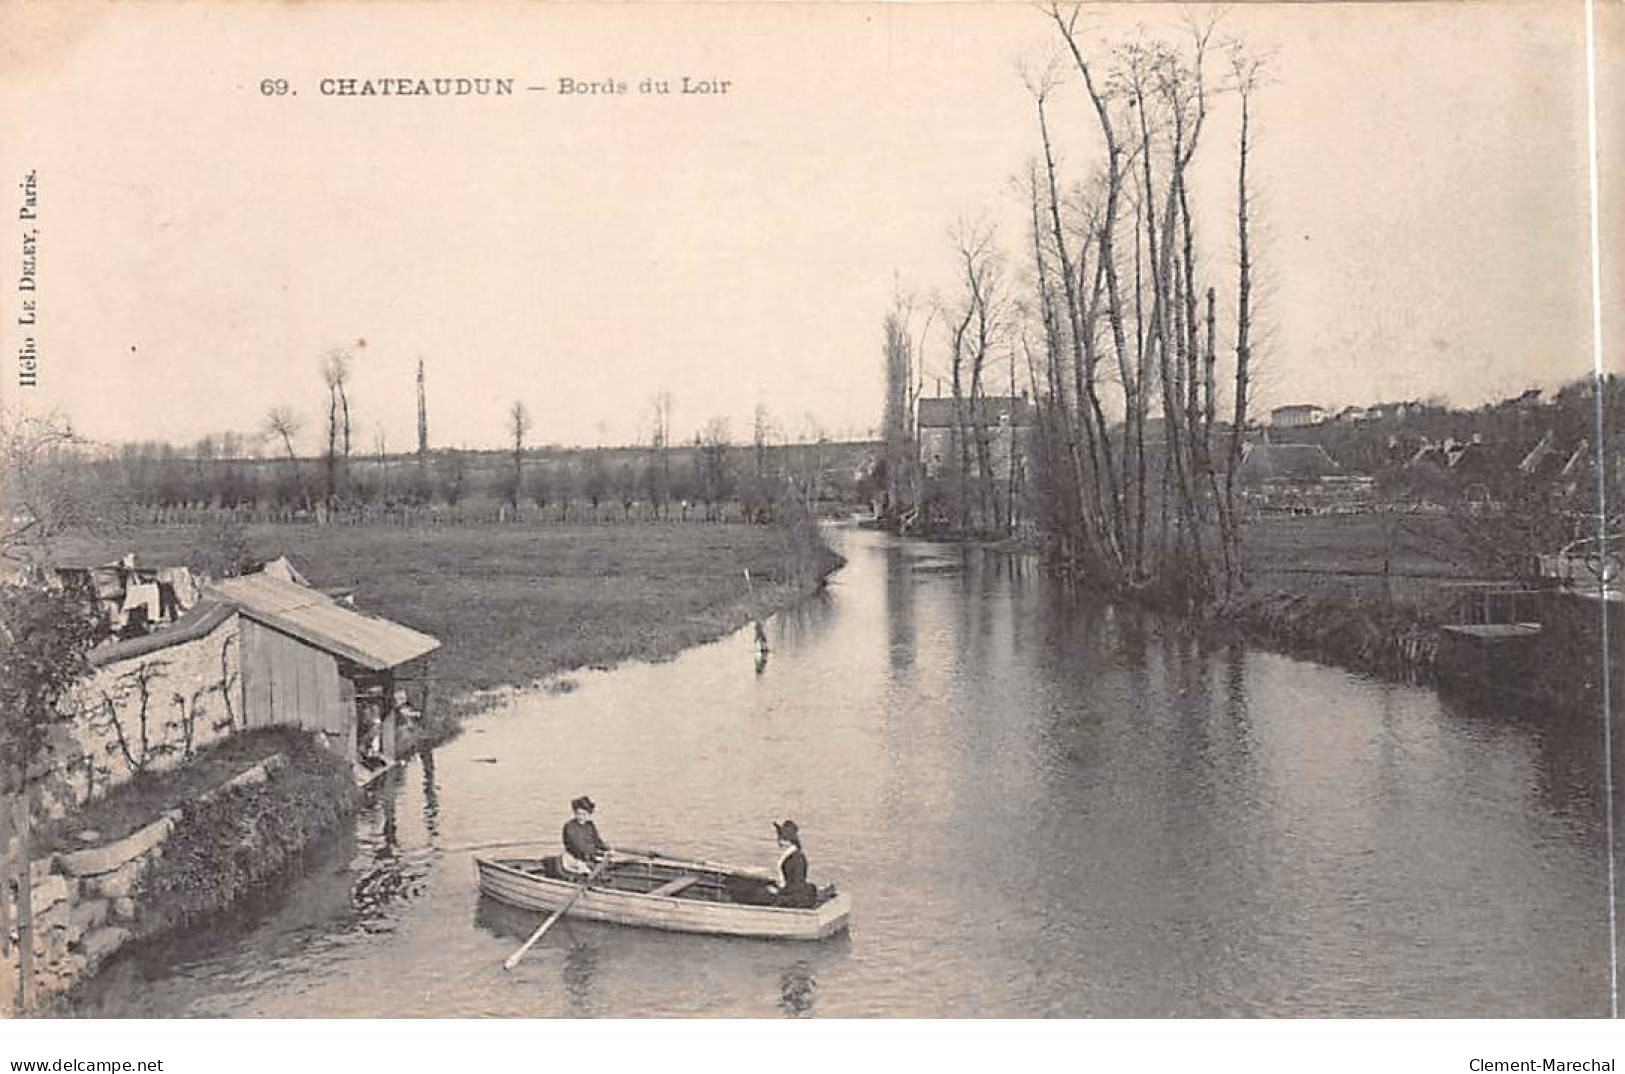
x=146, y=713
x=84, y=902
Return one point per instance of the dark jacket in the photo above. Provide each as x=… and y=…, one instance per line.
x=582, y=841
x=796, y=891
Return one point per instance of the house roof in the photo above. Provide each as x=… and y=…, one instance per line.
x=316, y=619
x=197, y=623
x=991, y=409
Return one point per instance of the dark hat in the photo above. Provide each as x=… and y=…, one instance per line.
x=582, y=803
x=788, y=831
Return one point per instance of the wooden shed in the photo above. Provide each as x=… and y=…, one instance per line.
x=309, y=661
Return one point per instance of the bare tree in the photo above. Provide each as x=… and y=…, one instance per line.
x=1134, y=409
x=660, y=407
x=453, y=475
x=1246, y=71
x=712, y=446
x=423, y=420
x=626, y=488
x=281, y=423
x=47, y=488
x=978, y=325
x=518, y=426
x=898, y=415
x=594, y=480
x=760, y=494
x=335, y=375
x=380, y=448
x=1097, y=487
x=1114, y=270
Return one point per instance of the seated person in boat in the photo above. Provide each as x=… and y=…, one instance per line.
x=583, y=847
x=790, y=887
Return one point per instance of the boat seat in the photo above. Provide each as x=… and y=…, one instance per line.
x=672, y=887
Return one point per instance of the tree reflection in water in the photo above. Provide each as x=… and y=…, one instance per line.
x=431, y=796
x=385, y=878
x=580, y=969
x=798, y=989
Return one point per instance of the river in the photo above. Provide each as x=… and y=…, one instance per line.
x=1040, y=807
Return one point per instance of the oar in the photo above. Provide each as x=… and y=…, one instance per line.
x=641, y=852
x=513, y=959
x=491, y=846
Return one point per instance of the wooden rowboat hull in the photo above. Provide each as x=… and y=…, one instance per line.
x=519, y=882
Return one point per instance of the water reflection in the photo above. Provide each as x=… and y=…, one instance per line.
x=1041, y=806
x=798, y=989
x=802, y=625
x=384, y=876
x=431, y=795
x=579, y=971
x=899, y=603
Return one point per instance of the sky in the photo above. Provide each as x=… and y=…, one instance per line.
x=1420, y=172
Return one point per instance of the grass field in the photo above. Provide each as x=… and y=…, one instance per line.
x=1412, y=544
x=1343, y=556
x=513, y=604
x=1364, y=591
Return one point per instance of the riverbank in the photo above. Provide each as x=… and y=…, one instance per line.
x=517, y=604
x=168, y=849
x=942, y=718
x=1376, y=593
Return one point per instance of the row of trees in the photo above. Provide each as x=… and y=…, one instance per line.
x=1111, y=312
x=654, y=480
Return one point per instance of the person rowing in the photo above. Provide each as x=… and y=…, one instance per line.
x=583, y=846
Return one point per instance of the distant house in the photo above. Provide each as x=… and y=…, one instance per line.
x=1300, y=478
x=1386, y=411
x=1351, y=414
x=1008, y=421
x=1550, y=461
x=1297, y=415
x=1540, y=455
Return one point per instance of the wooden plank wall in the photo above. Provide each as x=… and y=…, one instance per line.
x=286, y=681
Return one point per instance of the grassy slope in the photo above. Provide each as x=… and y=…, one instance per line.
x=140, y=801
x=1316, y=587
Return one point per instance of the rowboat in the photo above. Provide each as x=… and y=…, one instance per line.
x=659, y=892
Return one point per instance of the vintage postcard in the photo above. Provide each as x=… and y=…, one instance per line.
x=850, y=510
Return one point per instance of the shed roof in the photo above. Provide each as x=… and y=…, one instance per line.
x=316, y=619
x=195, y=624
